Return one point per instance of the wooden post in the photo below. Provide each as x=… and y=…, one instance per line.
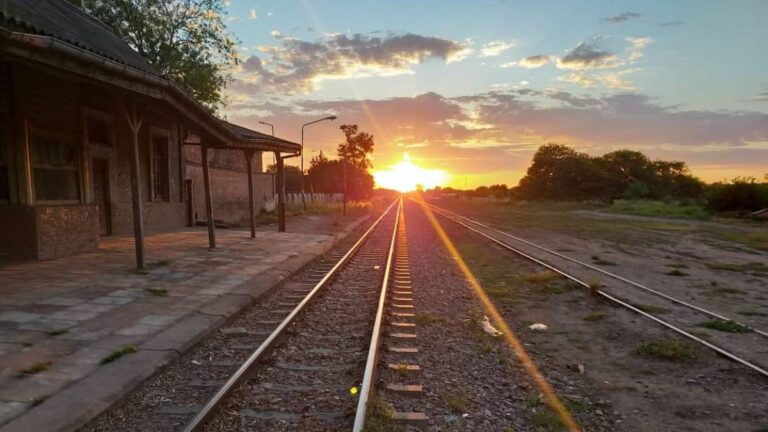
x=135, y=120
x=208, y=201
x=280, y=193
x=190, y=203
x=251, y=207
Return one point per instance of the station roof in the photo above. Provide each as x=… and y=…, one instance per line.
x=59, y=30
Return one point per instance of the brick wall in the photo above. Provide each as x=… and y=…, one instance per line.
x=66, y=230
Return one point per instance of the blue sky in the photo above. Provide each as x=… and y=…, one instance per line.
x=448, y=82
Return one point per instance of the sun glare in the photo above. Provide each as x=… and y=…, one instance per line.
x=405, y=176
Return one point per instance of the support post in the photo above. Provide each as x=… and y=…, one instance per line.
x=135, y=119
x=251, y=207
x=208, y=201
x=280, y=192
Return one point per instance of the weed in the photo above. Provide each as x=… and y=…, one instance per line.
x=669, y=349
x=34, y=369
x=599, y=261
x=380, y=417
x=557, y=288
x=160, y=292
x=594, y=285
x=128, y=349
x=37, y=401
x=727, y=326
x=57, y=332
x=547, y=420
x=677, y=265
x=676, y=272
x=457, y=402
x=732, y=267
x=723, y=291
x=594, y=316
x=753, y=313
x=163, y=262
x=425, y=319
x=651, y=309
x=541, y=277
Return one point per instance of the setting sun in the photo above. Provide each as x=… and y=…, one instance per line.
x=405, y=176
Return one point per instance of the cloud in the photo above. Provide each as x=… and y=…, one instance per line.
x=508, y=65
x=536, y=61
x=671, y=23
x=494, y=48
x=626, y=16
x=294, y=65
x=587, y=55
x=500, y=130
x=252, y=14
x=760, y=97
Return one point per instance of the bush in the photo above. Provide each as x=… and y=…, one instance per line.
x=743, y=194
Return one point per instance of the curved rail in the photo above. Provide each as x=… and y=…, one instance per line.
x=241, y=375
x=447, y=213
x=611, y=298
x=373, y=350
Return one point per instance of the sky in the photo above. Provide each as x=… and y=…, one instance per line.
x=473, y=88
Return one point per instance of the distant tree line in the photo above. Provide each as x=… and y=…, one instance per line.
x=561, y=173
x=328, y=175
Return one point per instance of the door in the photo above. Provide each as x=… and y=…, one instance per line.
x=101, y=194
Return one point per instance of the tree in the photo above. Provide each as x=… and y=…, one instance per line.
x=356, y=147
x=292, y=177
x=186, y=40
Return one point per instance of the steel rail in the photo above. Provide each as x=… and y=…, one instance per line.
x=366, y=389
x=618, y=301
x=242, y=373
x=605, y=272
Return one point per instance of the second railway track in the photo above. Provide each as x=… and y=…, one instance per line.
x=559, y=263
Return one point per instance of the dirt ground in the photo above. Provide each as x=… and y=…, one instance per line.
x=710, y=264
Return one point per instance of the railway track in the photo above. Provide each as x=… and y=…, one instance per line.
x=314, y=366
x=566, y=266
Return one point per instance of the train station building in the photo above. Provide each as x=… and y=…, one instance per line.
x=94, y=142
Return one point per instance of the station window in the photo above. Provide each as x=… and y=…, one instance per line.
x=160, y=172
x=55, y=166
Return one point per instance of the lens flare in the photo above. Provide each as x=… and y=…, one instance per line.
x=405, y=176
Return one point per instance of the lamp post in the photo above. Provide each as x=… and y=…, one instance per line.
x=303, y=199
x=274, y=160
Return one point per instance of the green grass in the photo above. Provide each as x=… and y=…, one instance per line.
x=34, y=369
x=669, y=349
x=379, y=417
x=128, y=349
x=732, y=267
x=457, y=402
x=676, y=272
x=425, y=319
x=651, y=309
x=160, y=292
x=547, y=420
x=659, y=208
x=755, y=240
x=727, y=326
x=595, y=316
x=541, y=277
x=753, y=313
x=558, y=288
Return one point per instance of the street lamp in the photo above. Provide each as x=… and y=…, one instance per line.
x=270, y=125
x=303, y=199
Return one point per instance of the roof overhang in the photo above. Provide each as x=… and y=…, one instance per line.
x=53, y=52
